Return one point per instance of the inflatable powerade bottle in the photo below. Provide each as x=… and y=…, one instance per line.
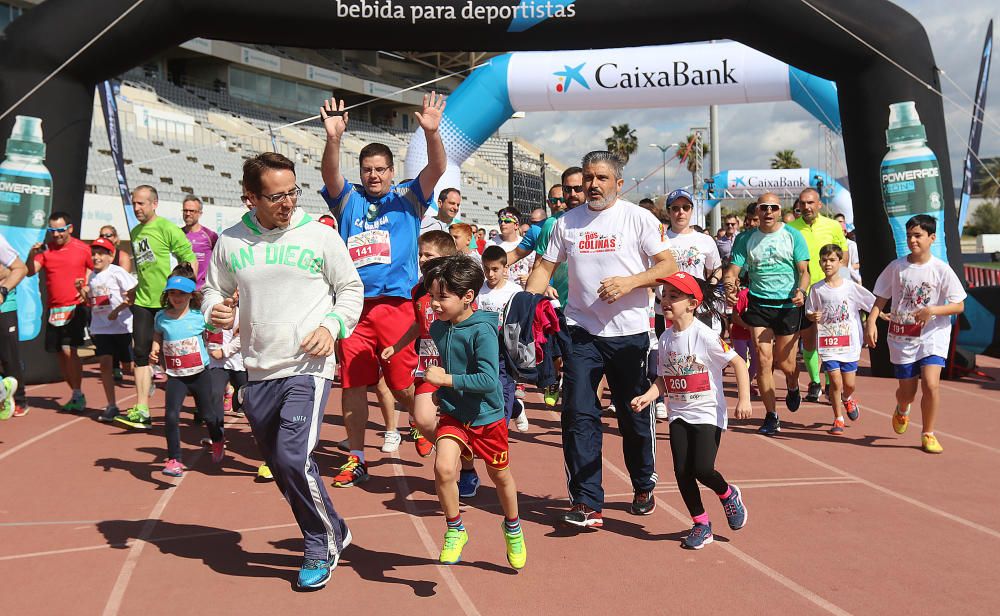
x=911, y=178
x=25, y=204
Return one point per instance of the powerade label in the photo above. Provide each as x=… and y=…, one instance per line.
x=24, y=201
x=911, y=188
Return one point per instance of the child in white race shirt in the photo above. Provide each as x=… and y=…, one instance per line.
x=110, y=317
x=692, y=358
x=493, y=297
x=925, y=294
x=834, y=304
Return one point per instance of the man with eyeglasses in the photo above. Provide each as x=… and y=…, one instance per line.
x=730, y=227
x=380, y=224
x=775, y=258
x=615, y=251
x=449, y=202
x=818, y=231
x=65, y=261
x=154, y=240
x=202, y=238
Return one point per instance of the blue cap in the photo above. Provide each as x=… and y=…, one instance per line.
x=180, y=283
x=677, y=194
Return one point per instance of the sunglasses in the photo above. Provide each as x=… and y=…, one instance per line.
x=554, y=200
x=678, y=208
x=731, y=224
x=567, y=188
x=506, y=219
x=59, y=229
x=769, y=207
x=107, y=236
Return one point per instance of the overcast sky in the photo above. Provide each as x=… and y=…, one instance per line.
x=956, y=37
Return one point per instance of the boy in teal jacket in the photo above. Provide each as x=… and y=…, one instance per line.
x=471, y=401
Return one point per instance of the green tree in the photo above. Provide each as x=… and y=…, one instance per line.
x=989, y=189
x=687, y=152
x=622, y=143
x=986, y=219
x=785, y=159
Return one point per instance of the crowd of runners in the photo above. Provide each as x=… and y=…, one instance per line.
x=451, y=325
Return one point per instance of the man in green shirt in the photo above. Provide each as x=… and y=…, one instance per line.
x=154, y=240
x=818, y=231
x=776, y=261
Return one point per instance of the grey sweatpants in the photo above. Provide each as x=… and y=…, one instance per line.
x=285, y=416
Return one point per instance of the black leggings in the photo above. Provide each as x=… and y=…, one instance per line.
x=222, y=376
x=694, y=447
x=142, y=333
x=10, y=354
x=200, y=386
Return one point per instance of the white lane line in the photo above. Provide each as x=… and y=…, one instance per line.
x=907, y=499
x=135, y=549
x=35, y=439
x=954, y=437
x=785, y=581
x=403, y=488
x=970, y=393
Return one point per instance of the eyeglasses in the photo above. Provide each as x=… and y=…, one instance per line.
x=731, y=224
x=554, y=200
x=686, y=207
x=567, y=188
x=291, y=195
x=769, y=207
x=376, y=170
x=59, y=229
x=190, y=211
x=107, y=236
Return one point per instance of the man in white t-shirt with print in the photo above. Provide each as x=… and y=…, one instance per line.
x=608, y=247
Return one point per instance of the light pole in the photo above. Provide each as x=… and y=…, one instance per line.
x=636, y=189
x=664, y=149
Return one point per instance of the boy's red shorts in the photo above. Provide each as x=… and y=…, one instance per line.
x=488, y=442
x=420, y=386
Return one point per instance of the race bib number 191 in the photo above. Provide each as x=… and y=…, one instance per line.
x=905, y=330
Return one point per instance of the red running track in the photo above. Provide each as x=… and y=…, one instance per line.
x=863, y=523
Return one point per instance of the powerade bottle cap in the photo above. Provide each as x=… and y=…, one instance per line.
x=904, y=123
x=26, y=138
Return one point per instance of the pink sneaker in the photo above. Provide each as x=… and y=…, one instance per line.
x=227, y=403
x=174, y=468
x=218, y=452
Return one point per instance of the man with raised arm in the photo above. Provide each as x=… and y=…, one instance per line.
x=380, y=222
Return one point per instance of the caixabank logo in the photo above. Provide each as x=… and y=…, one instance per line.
x=609, y=76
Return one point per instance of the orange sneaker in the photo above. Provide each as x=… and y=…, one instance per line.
x=353, y=472
x=900, y=421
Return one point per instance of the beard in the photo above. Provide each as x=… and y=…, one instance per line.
x=603, y=203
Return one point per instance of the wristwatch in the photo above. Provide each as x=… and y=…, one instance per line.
x=801, y=290
x=4, y=292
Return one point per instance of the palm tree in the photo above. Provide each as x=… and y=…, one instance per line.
x=622, y=143
x=785, y=159
x=687, y=153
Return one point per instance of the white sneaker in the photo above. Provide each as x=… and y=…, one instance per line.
x=661, y=411
x=521, y=421
x=392, y=441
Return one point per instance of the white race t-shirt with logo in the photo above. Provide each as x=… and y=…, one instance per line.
x=913, y=286
x=694, y=252
x=522, y=267
x=494, y=300
x=691, y=364
x=617, y=241
x=107, y=291
x=838, y=331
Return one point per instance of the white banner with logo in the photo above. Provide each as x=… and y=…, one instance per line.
x=766, y=180
x=640, y=77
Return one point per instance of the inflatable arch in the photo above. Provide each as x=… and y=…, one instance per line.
x=109, y=37
x=627, y=78
x=751, y=183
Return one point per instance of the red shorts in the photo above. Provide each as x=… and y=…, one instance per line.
x=489, y=442
x=420, y=386
x=383, y=322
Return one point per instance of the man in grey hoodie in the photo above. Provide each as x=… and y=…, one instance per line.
x=299, y=294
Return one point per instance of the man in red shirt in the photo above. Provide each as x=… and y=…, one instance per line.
x=67, y=263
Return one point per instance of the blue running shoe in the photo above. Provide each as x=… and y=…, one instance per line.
x=736, y=511
x=771, y=425
x=793, y=399
x=314, y=573
x=699, y=537
x=468, y=484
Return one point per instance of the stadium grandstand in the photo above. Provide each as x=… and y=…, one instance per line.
x=190, y=116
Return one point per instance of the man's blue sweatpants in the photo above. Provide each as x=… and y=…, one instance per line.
x=286, y=415
x=623, y=360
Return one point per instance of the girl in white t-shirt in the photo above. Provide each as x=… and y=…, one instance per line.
x=692, y=358
x=835, y=305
